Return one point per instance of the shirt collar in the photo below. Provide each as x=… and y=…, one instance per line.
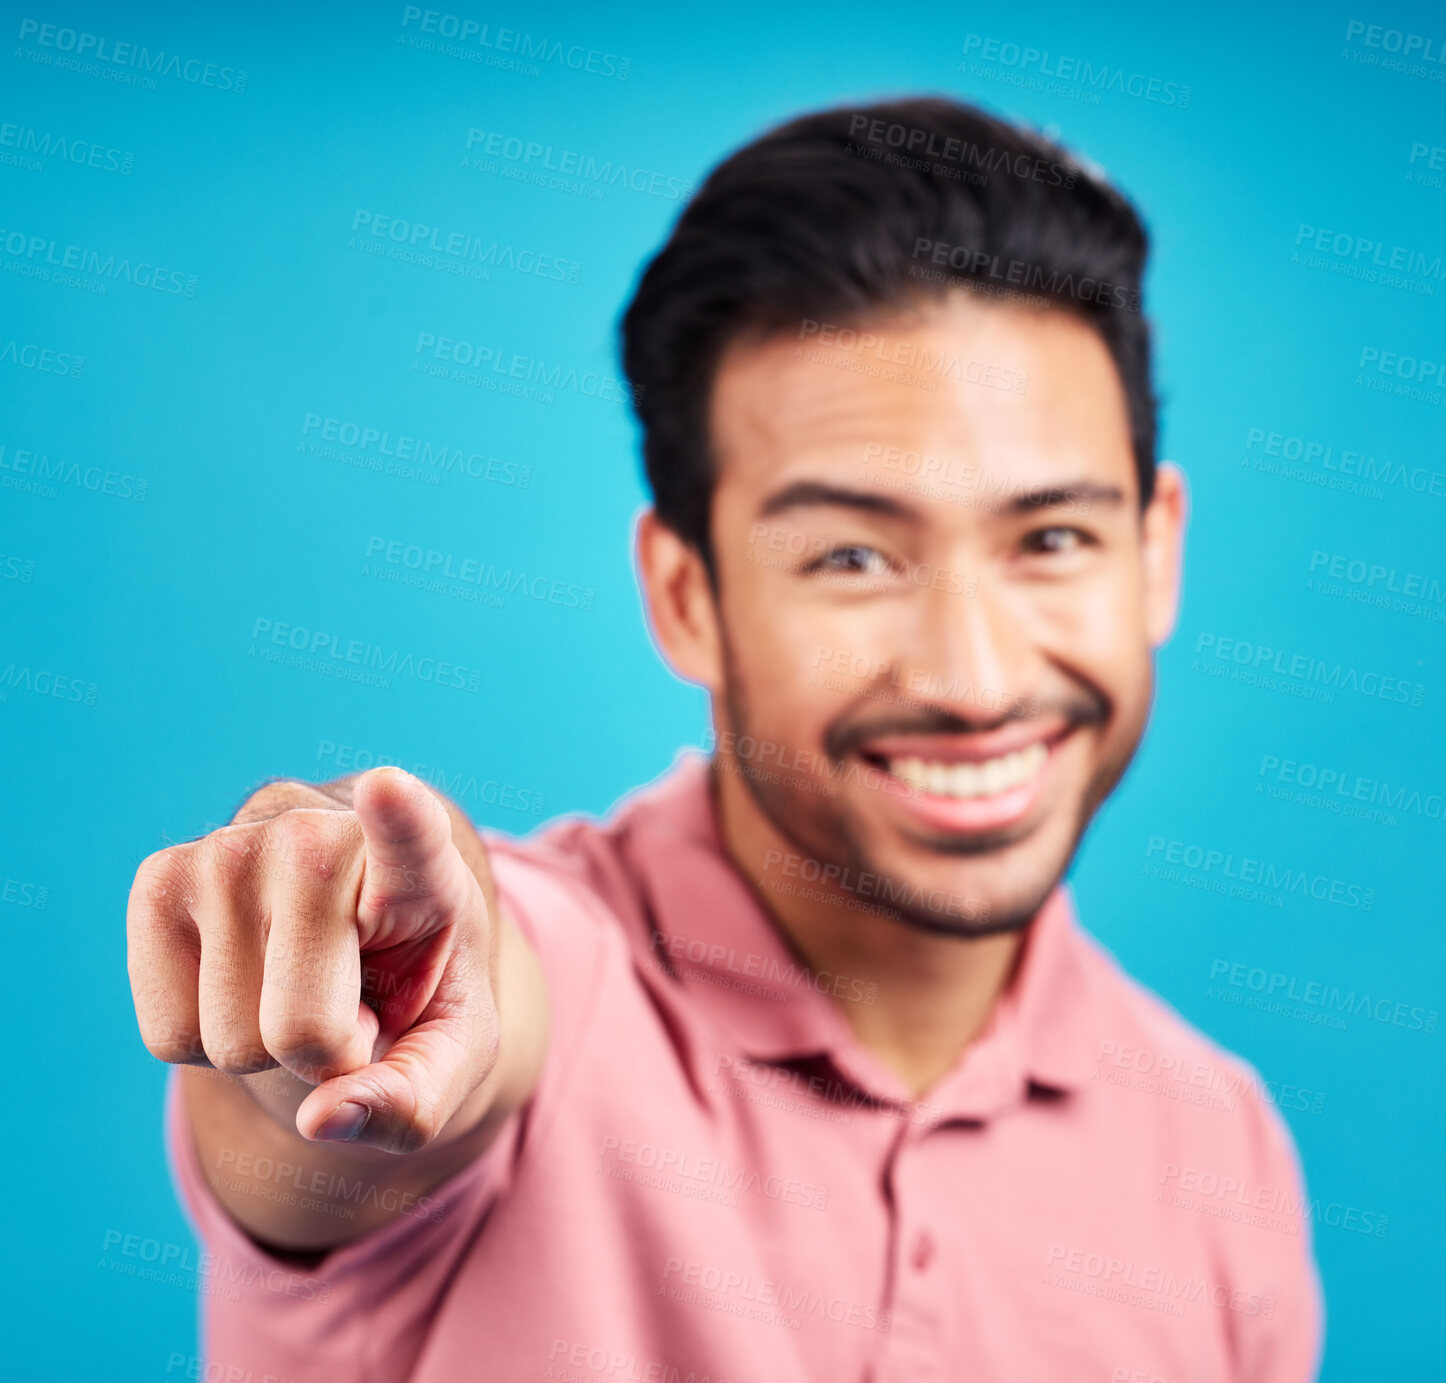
x=709, y=932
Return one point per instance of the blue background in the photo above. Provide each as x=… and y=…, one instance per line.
x=153, y=601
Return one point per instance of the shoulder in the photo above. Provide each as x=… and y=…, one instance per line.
x=1211, y=1101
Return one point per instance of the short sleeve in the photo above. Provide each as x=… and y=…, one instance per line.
x=1285, y=1341
x=580, y=945
x=362, y=1311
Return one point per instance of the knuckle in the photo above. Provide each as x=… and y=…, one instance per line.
x=224, y=859
x=275, y=797
x=306, y=1040
x=304, y=849
x=175, y=1046
x=239, y=1058
x=158, y=874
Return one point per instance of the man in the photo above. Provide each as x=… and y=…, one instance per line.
x=798, y=1066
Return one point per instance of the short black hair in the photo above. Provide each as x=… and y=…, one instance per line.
x=842, y=213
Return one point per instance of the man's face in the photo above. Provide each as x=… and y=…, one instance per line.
x=937, y=599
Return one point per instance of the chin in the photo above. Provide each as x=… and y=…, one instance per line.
x=970, y=887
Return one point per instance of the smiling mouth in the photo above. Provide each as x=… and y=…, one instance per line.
x=979, y=775
x=966, y=781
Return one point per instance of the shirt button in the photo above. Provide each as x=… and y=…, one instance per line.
x=923, y=1251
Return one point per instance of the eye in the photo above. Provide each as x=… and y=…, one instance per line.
x=850, y=559
x=1060, y=538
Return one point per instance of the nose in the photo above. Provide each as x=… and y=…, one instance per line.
x=968, y=651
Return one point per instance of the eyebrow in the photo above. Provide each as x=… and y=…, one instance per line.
x=1053, y=496
x=803, y=494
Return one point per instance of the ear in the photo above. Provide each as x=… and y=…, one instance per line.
x=678, y=598
x=1164, y=551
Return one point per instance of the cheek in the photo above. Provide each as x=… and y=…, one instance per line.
x=801, y=663
x=1098, y=625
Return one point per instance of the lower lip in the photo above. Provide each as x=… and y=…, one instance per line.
x=973, y=814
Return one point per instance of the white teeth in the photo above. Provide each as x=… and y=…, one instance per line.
x=987, y=779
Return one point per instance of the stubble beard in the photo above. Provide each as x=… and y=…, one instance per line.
x=831, y=838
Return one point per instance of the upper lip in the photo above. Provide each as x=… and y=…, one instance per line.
x=975, y=747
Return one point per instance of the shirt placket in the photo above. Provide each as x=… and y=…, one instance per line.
x=914, y=1349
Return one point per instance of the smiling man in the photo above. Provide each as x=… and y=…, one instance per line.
x=798, y=1066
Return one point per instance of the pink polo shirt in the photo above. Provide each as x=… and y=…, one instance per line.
x=715, y=1183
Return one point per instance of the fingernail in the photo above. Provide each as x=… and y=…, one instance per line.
x=344, y=1122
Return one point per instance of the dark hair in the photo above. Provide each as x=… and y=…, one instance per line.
x=844, y=212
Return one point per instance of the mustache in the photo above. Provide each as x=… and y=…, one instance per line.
x=846, y=735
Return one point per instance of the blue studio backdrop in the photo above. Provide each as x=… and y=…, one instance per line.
x=301, y=318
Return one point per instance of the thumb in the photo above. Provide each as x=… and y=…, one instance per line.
x=414, y=879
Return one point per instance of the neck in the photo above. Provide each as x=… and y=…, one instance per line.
x=932, y=993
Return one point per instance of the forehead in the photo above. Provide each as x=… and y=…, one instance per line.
x=1024, y=396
